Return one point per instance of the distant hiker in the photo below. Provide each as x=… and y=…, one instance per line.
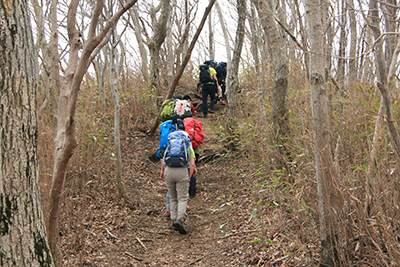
x=167, y=108
x=188, y=98
x=221, y=76
x=208, y=78
x=213, y=63
x=178, y=157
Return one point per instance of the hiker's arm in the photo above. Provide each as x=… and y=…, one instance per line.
x=216, y=80
x=193, y=169
x=162, y=170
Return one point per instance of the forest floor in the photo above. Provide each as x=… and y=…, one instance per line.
x=223, y=229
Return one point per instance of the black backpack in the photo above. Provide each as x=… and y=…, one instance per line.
x=205, y=76
x=221, y=72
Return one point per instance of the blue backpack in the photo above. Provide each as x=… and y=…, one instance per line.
x=177, y=152
x=165, y=128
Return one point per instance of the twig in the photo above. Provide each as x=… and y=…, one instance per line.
x=242, y=232
x=159, y=233
x=111, y=234
x=280, y=259
x=133, y=257
x=140, y=242
x=197, y=260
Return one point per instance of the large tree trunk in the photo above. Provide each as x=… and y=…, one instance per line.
x=65, y=141
x=23, y=236
x=281, y=71
x=233, y=70
x=326, y=180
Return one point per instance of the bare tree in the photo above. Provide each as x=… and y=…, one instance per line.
x=159, y=34
x=327, y=195
x=225, y=32
x=23, y=234
x=233, y=70
x=142, y=50
x=281, y=70
x=211, y=46
x=65, y=141
x=259, y=75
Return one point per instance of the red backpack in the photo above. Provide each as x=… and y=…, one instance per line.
x=195, y=130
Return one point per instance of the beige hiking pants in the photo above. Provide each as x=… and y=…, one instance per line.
x=176, y=179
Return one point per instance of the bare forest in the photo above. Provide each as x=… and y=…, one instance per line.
x=301, y=167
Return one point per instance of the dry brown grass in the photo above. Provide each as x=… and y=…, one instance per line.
x=370, y=239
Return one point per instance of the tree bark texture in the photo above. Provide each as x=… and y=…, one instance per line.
x=233, y=70
x=159, y=35
x=23, y=236
x=281, y=71
x=327, y=192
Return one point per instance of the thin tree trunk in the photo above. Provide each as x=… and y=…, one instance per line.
x=233, y=69
x=341, y=78
x=281, y=71
x=211, y=49
x=158, y=38
x=170, y=54
x=65, y=141
x=326, y=180
x=352, y=77
x=254, y=50
x=225, y=32
x=139, y=39
x=114, y=79
x=383, y=77
x=23, y=236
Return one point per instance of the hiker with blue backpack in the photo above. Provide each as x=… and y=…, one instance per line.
x=177, y=157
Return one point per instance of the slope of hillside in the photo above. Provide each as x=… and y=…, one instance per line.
x=226, y=223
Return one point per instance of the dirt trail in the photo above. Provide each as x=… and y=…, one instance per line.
x=100, y=231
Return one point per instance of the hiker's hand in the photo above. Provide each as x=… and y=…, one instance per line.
x=162, y=175
x=193, y=171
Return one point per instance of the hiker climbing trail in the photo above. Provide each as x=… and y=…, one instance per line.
x=134, y=231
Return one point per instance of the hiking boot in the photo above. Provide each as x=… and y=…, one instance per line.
x=205, y=116
x=174, y=227
x=210, y=110
x=179, y=225
x=168, y=215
